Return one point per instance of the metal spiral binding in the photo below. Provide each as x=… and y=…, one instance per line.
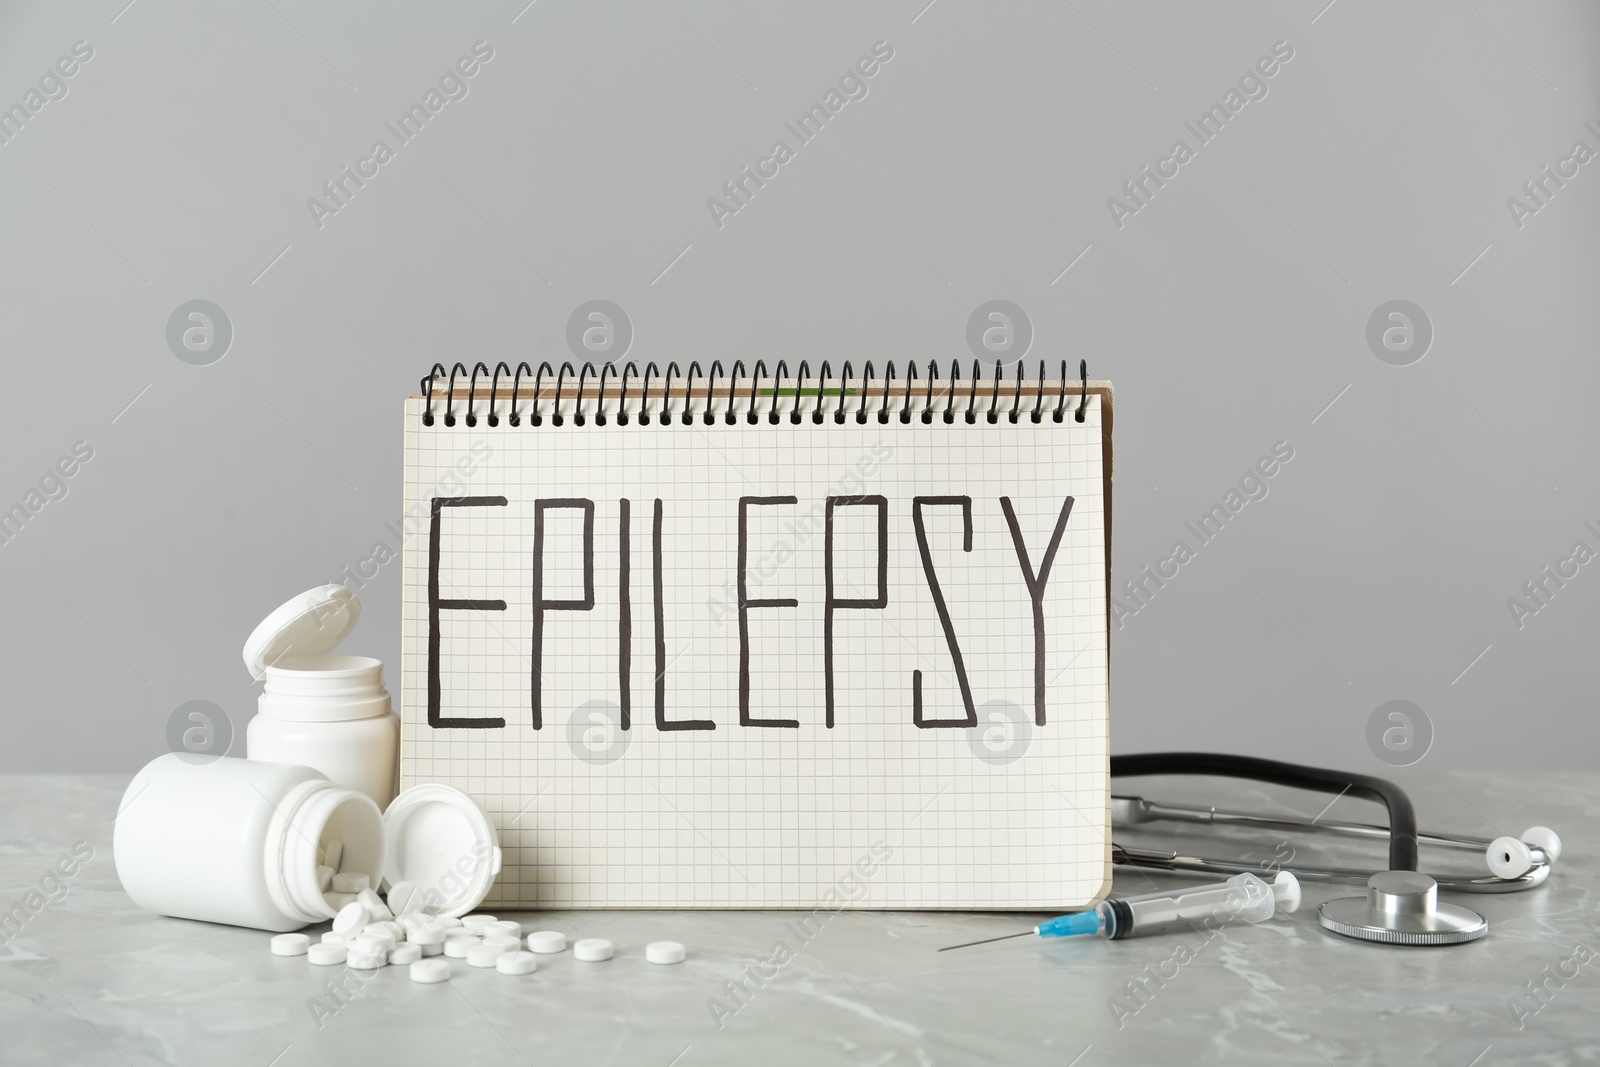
x=752, y=415
x=815, y=396
x=780, y=374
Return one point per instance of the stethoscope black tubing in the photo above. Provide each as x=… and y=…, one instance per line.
x=1402, y=816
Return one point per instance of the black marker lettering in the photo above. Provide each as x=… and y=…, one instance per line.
x=965, y=503
x=745, y=604
x=435, y=605
x=624, y=620
x=879, y=601
x=661, y=642
x=1036, y=584
x=540, y=604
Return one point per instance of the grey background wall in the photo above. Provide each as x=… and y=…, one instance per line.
x=1231, y=309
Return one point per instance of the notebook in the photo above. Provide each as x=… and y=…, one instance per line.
x=740, y=638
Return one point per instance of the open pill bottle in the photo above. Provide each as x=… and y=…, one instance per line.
x=320, y=710
x=239, y=841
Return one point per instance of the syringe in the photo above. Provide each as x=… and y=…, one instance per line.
x=1242, y=898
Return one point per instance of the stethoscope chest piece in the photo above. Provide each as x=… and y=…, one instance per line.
x=1402, y=908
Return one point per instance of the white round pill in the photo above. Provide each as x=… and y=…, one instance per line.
x=664, y=952
x=449, y=922
x=389, y=927
x=350, y=881
x=516, y=963
x=352, y=919
x=404, y=954
x=458, y=947
x=367, y=961
x=547, y=941
x=327, y=955
x=290, y=945
x=402, y=897
x=484, y=955
x=413, y=920
x=331, y=938
x=434, y=949
x=426, y=934
x=430, y=971
x=476, y=922
x=376, y=908
x=504, y=944
x=370, y=946
x=593, y=949
x=503, y=928
x=324, y=878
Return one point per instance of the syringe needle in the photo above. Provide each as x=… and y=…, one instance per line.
x=985, y=941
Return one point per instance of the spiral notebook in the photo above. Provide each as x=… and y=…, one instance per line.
x=715, y=638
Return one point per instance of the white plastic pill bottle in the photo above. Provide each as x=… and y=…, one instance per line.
x=237, y=841
x=240, y=841
x=319, y=710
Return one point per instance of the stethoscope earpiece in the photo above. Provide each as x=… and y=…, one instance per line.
x=1545, y=839
x=1509, y=857
x=1512, y=857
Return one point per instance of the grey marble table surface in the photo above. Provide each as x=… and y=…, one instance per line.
x=88, y=978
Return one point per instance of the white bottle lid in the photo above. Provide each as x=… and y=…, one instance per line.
x=440, y=840
x=311, y=624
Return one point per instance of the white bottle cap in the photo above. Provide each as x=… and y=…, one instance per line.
x=312, y=624
x=433, y=833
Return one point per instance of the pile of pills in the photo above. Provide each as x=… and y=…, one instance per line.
x=340, y=887
x=370, y=932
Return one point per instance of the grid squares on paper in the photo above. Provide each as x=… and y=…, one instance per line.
x=1005, y=815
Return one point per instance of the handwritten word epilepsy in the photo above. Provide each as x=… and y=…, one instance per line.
x=1035, y=582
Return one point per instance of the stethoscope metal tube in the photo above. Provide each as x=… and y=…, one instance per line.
x=1163, y=860
x=1132, y=811
x=1515, y=864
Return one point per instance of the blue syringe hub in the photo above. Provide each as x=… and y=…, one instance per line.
x=1084, y=922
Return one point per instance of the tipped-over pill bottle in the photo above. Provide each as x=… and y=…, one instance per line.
x=320, y=710
x=248, y=843
x=238, y=841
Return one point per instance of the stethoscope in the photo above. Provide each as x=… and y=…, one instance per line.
x=1401, y=905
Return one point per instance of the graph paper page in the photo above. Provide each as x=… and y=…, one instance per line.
x=561, y=582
